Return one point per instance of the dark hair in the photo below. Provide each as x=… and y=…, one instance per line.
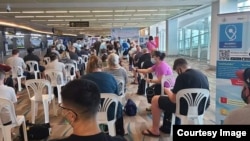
x=53, y=56
x=104, y=57
x=179, y=62
x=159, y=54
x=84, y=94
x=110, y=47
x=30, y=50
x=15, y=51
x=150, y=38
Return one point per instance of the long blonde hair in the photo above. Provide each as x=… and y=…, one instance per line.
x=94, y=63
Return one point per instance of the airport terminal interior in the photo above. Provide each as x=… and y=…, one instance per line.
x=209, y=34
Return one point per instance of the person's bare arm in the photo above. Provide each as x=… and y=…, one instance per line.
x=170, y=94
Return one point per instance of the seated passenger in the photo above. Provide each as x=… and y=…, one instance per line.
x=80, y=103
x=107, y=84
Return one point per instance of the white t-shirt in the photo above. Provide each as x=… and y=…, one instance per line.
x=16, y=61
x=55, y=65
x=7, y=93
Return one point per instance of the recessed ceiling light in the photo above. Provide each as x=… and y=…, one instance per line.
x=9, y=12
x=120, y=19
x=55, y=20
x=72, y=19
x=123, y=15
x=64, y=16
x=38, y=20
x=103, y=15
x=105, y=19
x=147, y=10
x=125, y=10
x=142, y=14
x=79, y=16
x=137, y=18
x=161, y=14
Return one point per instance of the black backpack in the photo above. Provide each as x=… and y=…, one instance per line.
x=130, y=108
x=36, y=131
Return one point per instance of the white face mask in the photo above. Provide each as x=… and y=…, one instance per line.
x=153, y=60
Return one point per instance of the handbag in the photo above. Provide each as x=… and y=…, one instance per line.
x=36, y=131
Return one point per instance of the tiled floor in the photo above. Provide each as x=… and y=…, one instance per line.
x=133, y=125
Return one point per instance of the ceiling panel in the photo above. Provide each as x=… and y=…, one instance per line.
x=102, y=14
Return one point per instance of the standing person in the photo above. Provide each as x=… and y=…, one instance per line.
x=106, y=84
x=151, y=45
x=97, y=45
x=241, y=115
x=80, y=104
x=187, y=78
x=6, y=93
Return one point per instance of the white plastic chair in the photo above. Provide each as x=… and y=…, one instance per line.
x=33, y=68
x=56, y=80
x=42, y=93
x=145, y=77
x=102, y=115
x=7, y=105
x=75, y=63
x=17, y=73
x=70, y=71
x=167, y=79
x=193, y=97
x=46, y=60
x=121, y=91
x=85, y=59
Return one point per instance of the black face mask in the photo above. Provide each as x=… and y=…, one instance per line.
x=243, y=95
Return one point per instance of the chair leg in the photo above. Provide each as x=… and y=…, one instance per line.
x=24, y=131
x=33, y=111
x=46, y=110
x=19, y=84
x=54, y=107
x=6, y=134
x=112, y=130
x=59, y=94
x=172, y=123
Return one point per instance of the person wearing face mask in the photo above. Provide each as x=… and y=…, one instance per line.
x=81, y=99
x=160, y=68
x=187, y=78
x=244, y=112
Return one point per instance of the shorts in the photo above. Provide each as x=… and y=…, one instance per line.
x=166, y=105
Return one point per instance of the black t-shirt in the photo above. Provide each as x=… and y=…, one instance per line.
x=191, y=78
x=97, y=137
x=146, y=58
x=31, y=57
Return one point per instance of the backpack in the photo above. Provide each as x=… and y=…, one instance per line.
x=130, y=108
x=36, y=131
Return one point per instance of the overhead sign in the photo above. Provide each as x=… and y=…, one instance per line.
x=57, y=32
x=79, y=24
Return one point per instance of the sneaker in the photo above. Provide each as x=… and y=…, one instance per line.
x=165, y=130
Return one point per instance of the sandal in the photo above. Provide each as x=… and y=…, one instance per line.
x=149, y=133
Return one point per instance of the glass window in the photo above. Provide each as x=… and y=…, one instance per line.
x=187, y=43
x=195, y=42
x=187, y=33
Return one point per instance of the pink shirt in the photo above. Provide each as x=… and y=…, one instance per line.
x=163, y=69
x=151, y=45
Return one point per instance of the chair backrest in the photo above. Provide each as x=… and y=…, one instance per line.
x=17, y=71
x=70, y=70
x=39, y=87
x=120, y=84
x=169, y=79
x=80, y=60
x=55, y=77
x=194, y=99
x=46, y=60
x=7, y=107
x=75, y=63
x=85, y=58
x=107, y=100
x=32, y=66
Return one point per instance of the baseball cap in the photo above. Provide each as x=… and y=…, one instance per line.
x=244, y=75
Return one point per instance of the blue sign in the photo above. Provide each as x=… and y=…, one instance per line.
x=230, y=35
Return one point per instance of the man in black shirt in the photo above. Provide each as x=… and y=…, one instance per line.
x=81, y=99
x=187, y=78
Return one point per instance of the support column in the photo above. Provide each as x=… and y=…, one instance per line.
x=171, y=37
x=27, y=42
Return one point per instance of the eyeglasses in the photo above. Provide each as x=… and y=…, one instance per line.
x=60, y=106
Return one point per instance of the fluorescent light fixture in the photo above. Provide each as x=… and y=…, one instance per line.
x=88, y=19
x=80, y=16
x=52, y=24
x=45, y=16
x=125, y=10
x=9, y=12
x=103, y=15
x=79, y=11
x=38, y=20
x=147, y=10
x=120, y=19
x=72, y=19
x=101, y=11
x=105, y=19
x=142, y=14
x=169, y=9
x=137, y=18
x=33, y=12
x=56, y=11
x=24, y=16
x=160, y=14
x=123, y=15
x=55, y=20
x=64, y=16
